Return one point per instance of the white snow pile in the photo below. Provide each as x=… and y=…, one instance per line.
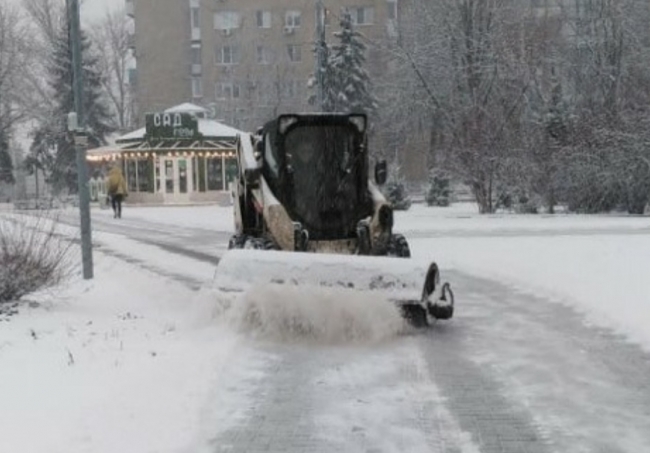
x=118, y=363
x=289, y=313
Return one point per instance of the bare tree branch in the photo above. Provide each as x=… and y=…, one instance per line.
x=112, y=39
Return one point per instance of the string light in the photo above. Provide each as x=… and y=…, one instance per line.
x=157, y=155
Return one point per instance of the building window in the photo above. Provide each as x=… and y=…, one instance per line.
x=292, y=19
x=131, y=175
x=240, y=122
x=132, y=76
x=215, y=173
x=145, y=175
x=392, y=9
x=362, y=15
x=327, y=17
x=231, y=170
x=295, y=52
x=226, y=55
x=263, y=55
x=226, y=20
x=197, y=87
x=290, y=88
x=196, y=17
x=199, y=168
x=196, y=54
x=227, y=91
x=263, y=19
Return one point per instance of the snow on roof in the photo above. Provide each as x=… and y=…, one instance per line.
x=208, y=128
x=110, y=138
x=212, y=128
x=135, y=135
x=187, y=107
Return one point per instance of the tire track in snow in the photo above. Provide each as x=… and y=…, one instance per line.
x=383, y=400
x=476, y=399
x=339, y=399
x=197, y=243
x=191, y=283
x=582, y=389
x=281, y=421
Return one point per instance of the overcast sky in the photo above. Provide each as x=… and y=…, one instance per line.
x=95, y=9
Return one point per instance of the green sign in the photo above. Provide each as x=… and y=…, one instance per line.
x=172, y=126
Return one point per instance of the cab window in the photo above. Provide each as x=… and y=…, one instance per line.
x=270, y=159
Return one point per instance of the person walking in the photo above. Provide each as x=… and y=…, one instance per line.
x=116, y=188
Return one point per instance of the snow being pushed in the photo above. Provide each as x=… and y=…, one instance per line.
x=289, y=313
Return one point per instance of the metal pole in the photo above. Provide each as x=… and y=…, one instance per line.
x=80, y=140
x=320, y=56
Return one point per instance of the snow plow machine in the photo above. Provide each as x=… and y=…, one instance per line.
x=307, y=213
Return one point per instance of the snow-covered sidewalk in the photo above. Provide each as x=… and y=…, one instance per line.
x=126, y=362
x=208, y=217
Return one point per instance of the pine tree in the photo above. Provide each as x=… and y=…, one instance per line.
x=6, y=164
x=439, y=192
x=53, y=146
x=352, y=86
x=347, y=85
x=395, y=189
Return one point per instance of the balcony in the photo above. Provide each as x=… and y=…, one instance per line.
x=196, y=34
x=130, y=8
x=132, y=77
x=130, y=40
x=197, y=69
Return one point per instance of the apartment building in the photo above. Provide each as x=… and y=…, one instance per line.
x=244, y=60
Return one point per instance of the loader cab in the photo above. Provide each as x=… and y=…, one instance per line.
x=317, y=167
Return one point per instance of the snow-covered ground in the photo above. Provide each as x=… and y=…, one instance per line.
x=596, y=264
x=462, y=219
x=128, y=362
x=135, y=360
x=208, y=217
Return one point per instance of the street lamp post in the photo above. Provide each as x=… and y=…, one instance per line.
x=76, y=124
x=321, y=55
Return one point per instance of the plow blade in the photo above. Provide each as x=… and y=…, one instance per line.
x=413, y=286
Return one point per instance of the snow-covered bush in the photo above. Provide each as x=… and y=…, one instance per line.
x=592, y=185
x=395, y=189
x=439, y=192
x=636, y=189
x=518, y=199
x=33, y=257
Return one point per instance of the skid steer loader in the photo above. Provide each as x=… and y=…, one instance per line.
x=307, y=213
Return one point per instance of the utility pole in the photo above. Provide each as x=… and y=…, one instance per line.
x=321, y=57
x=77, y=124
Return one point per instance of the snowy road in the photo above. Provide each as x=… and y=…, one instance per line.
x=202, y=244
x=513, y=372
